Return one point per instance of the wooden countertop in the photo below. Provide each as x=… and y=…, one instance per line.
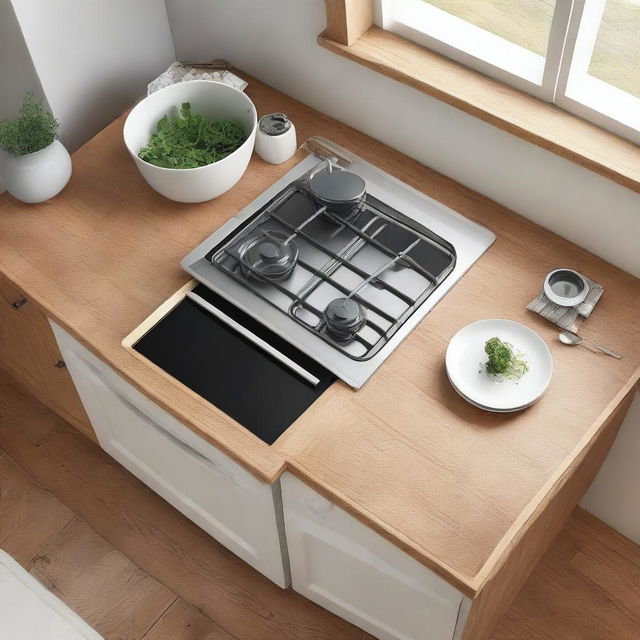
x=448, y=483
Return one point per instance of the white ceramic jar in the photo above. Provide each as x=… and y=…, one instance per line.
x=37, y=176
x=276, y=138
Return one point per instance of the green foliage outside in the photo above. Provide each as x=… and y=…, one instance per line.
x=33, y=129
x=188, y=140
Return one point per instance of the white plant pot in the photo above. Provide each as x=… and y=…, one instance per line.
x=37, y=176
x=212, y=100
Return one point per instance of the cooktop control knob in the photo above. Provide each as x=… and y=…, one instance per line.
x=276, y=138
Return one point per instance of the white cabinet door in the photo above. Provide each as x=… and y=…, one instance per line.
x=203, y=483
x=344, y=566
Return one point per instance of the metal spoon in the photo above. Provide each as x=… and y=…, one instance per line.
x=572, y=339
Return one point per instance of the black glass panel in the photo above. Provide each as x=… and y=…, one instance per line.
x=228, y=370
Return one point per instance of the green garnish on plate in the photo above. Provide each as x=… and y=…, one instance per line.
x=187, y=140
x=505, y=362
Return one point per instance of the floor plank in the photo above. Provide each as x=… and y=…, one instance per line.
x=29, y=515
x=5, y=378
x=100, y=584
x=588, y=530
x=587, y=587
x=183, y=621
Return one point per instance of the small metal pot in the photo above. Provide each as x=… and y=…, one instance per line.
x=342, y=192
x=566, y=287
x=344, y=317
x=269, y=257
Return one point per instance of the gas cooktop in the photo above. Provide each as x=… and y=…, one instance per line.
x=339, y=258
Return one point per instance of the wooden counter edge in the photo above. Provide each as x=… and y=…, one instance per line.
x=512, y=561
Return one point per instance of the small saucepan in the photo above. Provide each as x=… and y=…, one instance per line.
x=566, y=287
x=342, y=192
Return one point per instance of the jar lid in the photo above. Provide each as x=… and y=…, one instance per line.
x=274, y=124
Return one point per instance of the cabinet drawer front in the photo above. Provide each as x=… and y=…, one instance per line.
x=199, y=480
x=349, y=569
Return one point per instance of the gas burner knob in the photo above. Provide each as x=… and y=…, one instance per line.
x=344, y=318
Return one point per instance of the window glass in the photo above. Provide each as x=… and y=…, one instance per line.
x=524, y=22
x=616, y=55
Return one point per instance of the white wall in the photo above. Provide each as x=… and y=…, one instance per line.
x=17, y=73
x=94, y=57
x=276, y=42
x=615, y=494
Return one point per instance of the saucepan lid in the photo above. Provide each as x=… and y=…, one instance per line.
x=335, y=185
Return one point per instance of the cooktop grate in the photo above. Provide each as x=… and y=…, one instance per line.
x=376, y=257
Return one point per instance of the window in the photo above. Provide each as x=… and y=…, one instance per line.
x=583, y=55
x=600, y=75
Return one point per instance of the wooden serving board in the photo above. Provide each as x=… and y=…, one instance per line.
x=568, y=317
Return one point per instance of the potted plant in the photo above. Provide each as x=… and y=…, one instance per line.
x=36, y=166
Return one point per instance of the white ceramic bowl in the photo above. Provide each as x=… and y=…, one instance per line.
x=465, y=368
x=212, y=100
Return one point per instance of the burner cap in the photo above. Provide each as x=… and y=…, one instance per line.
x=344, y=318
x=268, y=256
x=269, y=251
x=338, y=187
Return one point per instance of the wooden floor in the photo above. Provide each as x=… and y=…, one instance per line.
x=134, y=568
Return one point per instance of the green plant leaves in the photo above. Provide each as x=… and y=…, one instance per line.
x=33, y=129
x=187, y=140
x=504, y=359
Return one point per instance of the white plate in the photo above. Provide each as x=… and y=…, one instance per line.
x=480, y=406
x=465, y=366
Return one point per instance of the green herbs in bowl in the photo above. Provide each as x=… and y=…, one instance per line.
x=187, y=140
x=504, y=361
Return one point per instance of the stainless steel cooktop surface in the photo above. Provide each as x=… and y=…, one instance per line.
x=342, y=280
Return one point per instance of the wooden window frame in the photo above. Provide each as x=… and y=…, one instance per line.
x=347, y=20
x=351, y=32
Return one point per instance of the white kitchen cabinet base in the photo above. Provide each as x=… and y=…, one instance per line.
x=216, y=493
x=344, y=566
